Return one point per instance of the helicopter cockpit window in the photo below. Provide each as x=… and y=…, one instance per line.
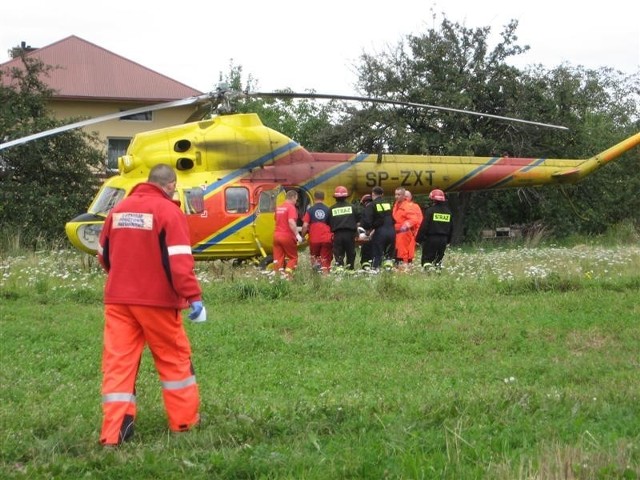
x=107, y=199
x=194, y=201
x=236, y=200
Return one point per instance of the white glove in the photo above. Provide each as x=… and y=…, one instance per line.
x=198, y=312
x=298, y=238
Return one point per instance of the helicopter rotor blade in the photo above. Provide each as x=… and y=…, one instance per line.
x=397, y=102
x=105, y=118
x=220, y=101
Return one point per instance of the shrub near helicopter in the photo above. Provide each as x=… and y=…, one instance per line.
x=232, y=171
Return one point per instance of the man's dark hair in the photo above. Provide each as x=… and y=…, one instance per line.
x=377, y=191
x=318, y=195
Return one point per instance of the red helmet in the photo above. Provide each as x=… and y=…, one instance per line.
x=341, y=192
x=366, y=199
x=437, y=195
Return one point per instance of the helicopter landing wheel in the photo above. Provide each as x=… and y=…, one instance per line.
x=266, y=263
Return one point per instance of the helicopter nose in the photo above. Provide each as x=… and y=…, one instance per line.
x=84, y=231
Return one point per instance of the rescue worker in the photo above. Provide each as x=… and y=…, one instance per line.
x=414, y=229
x=286, y=236
x=378, y=222
x=315, y=222
x=343, y=226
x=365, y=242
x=435, y=232
x=407, y=221
x=144, y=247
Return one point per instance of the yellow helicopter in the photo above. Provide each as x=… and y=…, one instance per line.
x=232, y=171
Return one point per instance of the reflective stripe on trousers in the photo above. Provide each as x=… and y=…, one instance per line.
x=127, y=329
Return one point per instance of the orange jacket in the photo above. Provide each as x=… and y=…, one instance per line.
x=407, y=214
x=145, y=247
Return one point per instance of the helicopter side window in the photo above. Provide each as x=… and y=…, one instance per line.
x=194, y=200
x=236, y=200
x=267, y=201
x=106, y=200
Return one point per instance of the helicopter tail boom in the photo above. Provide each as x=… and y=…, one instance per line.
x=598, y=161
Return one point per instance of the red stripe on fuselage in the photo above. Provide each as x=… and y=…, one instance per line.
x=495, y=173
x=299, y=167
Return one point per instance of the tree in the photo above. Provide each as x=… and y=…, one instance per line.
x=451, y=66
x=454, y=66
x=600, y=108
x=46, y=182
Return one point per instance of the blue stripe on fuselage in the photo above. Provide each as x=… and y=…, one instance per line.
x=220, y=236
x=533, y=165
x=251, y=165
x=314, y=182
x=473, y=173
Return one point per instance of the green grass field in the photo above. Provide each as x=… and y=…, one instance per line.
x=512, y=363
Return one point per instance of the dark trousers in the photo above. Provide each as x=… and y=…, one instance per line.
x=382, y=243
x=366, y=253
x=344, y=244
x=433, y=249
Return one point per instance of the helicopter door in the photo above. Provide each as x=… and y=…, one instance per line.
x=265, y=221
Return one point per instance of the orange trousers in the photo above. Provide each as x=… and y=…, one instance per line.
x=127, y=329
x=285, y=251
x=405, y=246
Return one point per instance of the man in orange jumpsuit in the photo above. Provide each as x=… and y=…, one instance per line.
x=417, y=211
x=406, y=221
x=286, y=236
x=144, y=246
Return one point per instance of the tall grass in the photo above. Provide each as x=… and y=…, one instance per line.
x=510, y=363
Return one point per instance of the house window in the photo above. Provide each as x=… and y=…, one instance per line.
x=116, y=148
x=236, y=200
x=138, y=117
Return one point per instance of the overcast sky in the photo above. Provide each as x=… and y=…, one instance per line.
x=311, y=44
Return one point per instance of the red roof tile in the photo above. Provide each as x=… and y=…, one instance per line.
x=89, y=72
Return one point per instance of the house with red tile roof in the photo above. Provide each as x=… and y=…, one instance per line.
x=90, y=81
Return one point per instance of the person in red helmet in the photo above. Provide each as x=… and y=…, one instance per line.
x=436, y=229
x=343, y=223
x=145, y=249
